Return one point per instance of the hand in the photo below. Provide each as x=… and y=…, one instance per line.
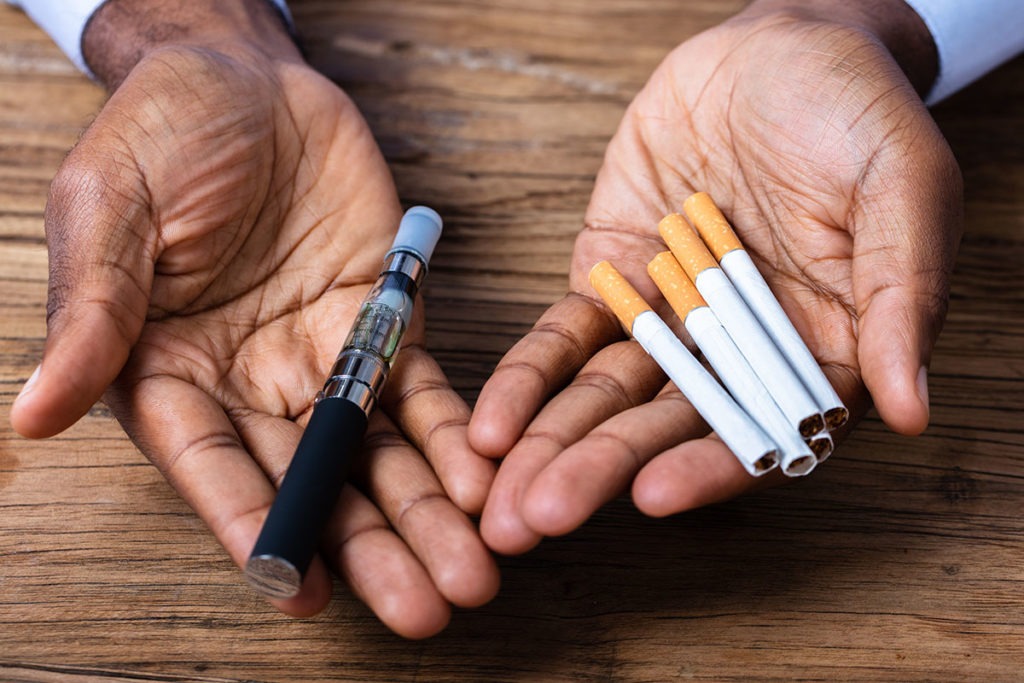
x=211, y=238
x=797, y=119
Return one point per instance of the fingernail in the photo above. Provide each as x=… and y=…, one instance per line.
x=922, y=389
x=29, y=384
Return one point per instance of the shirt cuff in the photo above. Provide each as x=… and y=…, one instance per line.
x=65, y=22
x=972, y=38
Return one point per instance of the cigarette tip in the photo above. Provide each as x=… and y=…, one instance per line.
x=766, y=463
x=811, y=425
x=821, y=446
x=712, y=225
x=665, y=263
x=686, y=245
x=836, y=417
x=671, y=223
x=675, y=284
x=698, y=201
x=800, y=467
x=625, y=302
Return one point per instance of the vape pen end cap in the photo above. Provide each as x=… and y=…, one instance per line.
x=273, y=576
x=419, y=231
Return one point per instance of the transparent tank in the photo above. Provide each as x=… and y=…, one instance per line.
x=382, y=319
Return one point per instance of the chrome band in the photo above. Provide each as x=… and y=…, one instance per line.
x=351, y=390
x=362, y=366
x=407, y=263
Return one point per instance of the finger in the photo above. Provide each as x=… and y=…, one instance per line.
x=598, y=467
x=359, y=542
x=187, y=435
x=381, y=570
x=645, y=445
x=402, y=484
x=434, y=418
x=691, y=475
x=101, y=262
x=619, y=377
x=906, y=228
x=703, y=471
x=564, y=338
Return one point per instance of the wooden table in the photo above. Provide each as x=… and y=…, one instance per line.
x=901, y=560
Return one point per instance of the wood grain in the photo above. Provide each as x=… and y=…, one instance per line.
x=902, y=560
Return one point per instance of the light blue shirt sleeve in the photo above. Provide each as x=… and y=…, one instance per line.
x=65, y=20
x=972, y=37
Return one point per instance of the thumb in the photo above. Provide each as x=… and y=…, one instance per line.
x=100, y=273
x=907, y=225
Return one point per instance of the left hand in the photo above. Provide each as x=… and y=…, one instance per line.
x=211, y=238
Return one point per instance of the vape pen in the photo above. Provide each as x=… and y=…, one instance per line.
x=332, y=439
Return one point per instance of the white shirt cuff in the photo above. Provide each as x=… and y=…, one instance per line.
x=65, y=21
x=972, y=37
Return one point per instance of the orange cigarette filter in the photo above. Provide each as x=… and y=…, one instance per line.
x=625, y=302
x=714, y=229
x=675, y=284
x=686, y=245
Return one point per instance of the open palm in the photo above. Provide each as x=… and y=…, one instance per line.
x=211, y=238
x=817, y=148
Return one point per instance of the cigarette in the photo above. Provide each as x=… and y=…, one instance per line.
x=716, y=232
x=798, y=458
x=757, y=347
x=821, y=445
x=749, y=443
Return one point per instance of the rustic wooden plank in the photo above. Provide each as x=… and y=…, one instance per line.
x=898, y=561
x=49, y=674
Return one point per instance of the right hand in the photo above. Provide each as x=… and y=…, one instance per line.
x=210, y=239
x=801, y=124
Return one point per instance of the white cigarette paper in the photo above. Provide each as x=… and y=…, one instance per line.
x=757, y=347
x=726, y=247
x=755, y=291
x=747, y=441
x=766, y=360
x=741, y=381
x=726, y=359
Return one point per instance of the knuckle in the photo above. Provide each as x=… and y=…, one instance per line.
x=568, y=342
x=200, y=447
x=606, y=384
x=439, y=428
x=524, y=367
x=546, y=439
x=623, y=447
x=415, y=392
x=416, y=503
x=383, y=441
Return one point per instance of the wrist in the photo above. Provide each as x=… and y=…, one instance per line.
x=122, y=33
x=892, y=22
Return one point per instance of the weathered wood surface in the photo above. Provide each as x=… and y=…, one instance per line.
x=901, y=560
